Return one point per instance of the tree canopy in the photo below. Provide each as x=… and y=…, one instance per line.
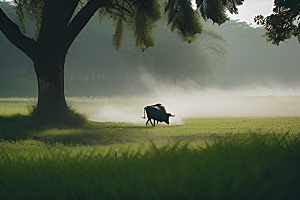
x=283, y=23
x=140, y=14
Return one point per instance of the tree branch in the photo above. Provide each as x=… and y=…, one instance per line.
x=68, y=15
x=14, y=35
x=48, y=11
x=129, y=5
x=122, y=8
x=79, y=22
x=57, y=14
x=122, y=14
x=148, y=10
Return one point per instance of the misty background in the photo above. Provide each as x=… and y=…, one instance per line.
x=230, y=71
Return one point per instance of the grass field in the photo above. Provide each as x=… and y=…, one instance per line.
x=223, y=158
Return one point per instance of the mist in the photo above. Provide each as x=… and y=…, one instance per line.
x=255, y=101
x=262, y=81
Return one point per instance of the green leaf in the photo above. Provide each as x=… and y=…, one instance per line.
x=117, y=39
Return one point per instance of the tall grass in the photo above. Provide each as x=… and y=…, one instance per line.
x=238, y=166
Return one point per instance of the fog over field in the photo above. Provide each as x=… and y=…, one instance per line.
x=252, y=102
x=262, y=81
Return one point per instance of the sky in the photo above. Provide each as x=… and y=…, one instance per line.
x=251, y=8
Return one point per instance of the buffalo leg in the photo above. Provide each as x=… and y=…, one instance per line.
x=154, y=123
x=151, y=121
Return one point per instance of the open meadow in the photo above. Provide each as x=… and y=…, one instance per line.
x=192, y=158
x=73, y=102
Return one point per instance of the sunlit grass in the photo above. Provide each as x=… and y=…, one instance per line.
x=11, y=106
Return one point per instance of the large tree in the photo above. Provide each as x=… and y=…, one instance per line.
x=283, y=23
x=58, y=23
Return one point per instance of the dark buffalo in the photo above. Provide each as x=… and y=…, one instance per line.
x=157, y=112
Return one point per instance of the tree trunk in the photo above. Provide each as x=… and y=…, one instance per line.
x=57, y=32
x=49, y=69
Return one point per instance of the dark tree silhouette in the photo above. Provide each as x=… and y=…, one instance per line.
x=58, y=23
x=283, y=23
